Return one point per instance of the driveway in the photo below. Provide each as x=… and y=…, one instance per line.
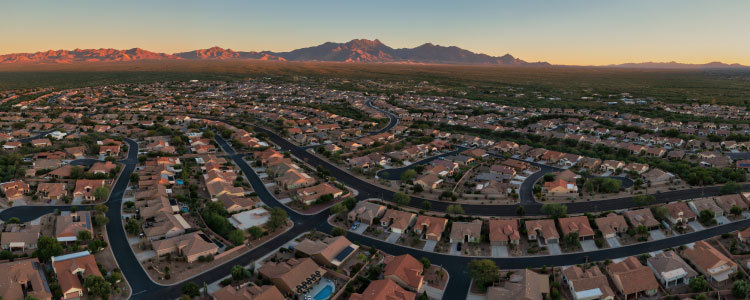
x=697, y=226
x=589, y=245
x=499, y=251
x=613, y=242
x=393, y=237
x=721, y=220
x=360, y=229
x=657, y=234
x=429, y=246
x=454, y=249
x=141, y=256
x=554, y=249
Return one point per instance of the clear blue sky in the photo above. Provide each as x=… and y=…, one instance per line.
x=561, y=32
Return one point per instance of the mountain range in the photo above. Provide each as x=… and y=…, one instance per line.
x=358, y=50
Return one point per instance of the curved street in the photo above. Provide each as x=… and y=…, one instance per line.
x=144, y=288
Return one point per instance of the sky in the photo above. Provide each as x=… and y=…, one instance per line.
x=585, y=32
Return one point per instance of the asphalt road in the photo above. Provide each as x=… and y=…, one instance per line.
x=144, y=288
x=369, y=190
x=38, y=136
x=395, y=173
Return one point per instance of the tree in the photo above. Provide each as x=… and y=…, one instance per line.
x=698, y=284
x=642, y=229
x=115, y=276
x=133, y=226
x=701, y=297
x=706, y=216
x=555, y=210
x=520, y=210
x=134, y=177
x=238, y=273
x=571, y=239
x=427, y=205
x=97, y=286
x=47, y=247
x=423, y=296
x=484, y=272
x=730, y=188
x=191, y=289
x=408, y=175
x=660, y=212
x=278, y=218
x=255, y=232
x=643, y=200
x=549, y=177
x=401, y=198
x=101, y=192
x=84, y=235
x=338, y=209
x=425, y=262
x=13, y=220
x=454, y=209
x=418, y=188
x=739, y=289
x=735, y=210
x=237, y=236
x=338, y=231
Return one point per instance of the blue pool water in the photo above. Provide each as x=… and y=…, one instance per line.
x=179, y=181
x=324, y=293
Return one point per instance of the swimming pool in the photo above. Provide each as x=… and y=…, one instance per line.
x=325, y=292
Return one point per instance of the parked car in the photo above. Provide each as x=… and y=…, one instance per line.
x=355, y=225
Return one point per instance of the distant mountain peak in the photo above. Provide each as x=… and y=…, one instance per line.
x=356, y=50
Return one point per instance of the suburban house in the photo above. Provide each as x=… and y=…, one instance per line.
x=397, y=221
x=588, y=284
x=643, y=217
x=20, y=237
x=85, y=188
x=699, y=205
x=14, y=190
x=726, y=202
x=431, y=227
x=23, y=279
x=657, y=177
x=294, y=276
x=248, y=291
x=504, y=232
x=191, y=246
x=332, y=251
x=384, y=289
x=670, y=269
x=294, y=179
x=632, y=279
x=611, y=225
x=679, y=213
x=524, y=285
x=165, y=225
x=71, y=269
x=366, y=212
x=542, y=229
x=710, y=262
x=68, y=226
x=51, y=191
x=308, y=195
x=429, y=181
x=579, y=225
x=404, y=270
x=561, y=189
x=467, y=232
